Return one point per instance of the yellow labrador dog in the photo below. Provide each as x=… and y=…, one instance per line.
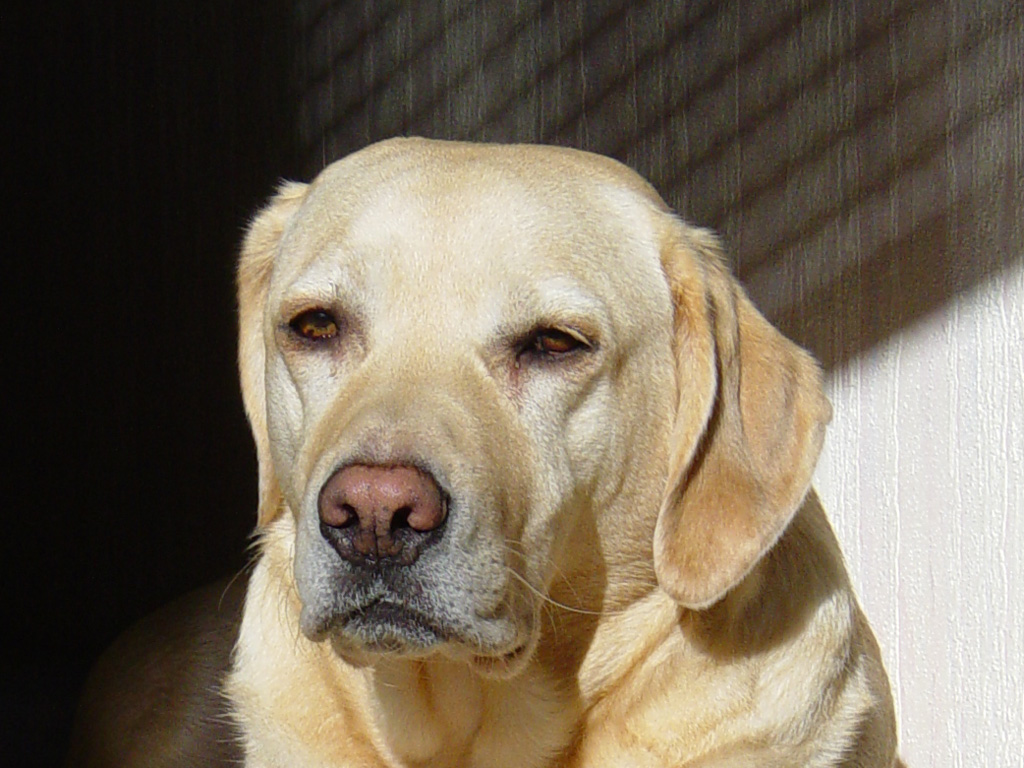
x=534, y=491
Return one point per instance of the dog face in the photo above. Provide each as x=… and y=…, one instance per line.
x=473, y=370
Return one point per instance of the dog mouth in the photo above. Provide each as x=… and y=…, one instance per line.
x=384, y=626
x=416, y=612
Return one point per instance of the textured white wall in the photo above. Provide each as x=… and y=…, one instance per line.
x=923, y=473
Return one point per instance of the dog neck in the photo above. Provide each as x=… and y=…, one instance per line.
x=443, y=713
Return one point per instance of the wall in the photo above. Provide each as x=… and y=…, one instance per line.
x=924, y=474
x=864, y=162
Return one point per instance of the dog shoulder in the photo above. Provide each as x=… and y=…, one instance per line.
x=782, y=671
x=155, y=697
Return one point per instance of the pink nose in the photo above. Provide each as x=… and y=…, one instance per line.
x=370, y=512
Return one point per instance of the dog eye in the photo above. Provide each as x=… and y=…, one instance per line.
x=552, y=343
x=315, y=325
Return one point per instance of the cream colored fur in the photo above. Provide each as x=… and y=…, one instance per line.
x=650, y=581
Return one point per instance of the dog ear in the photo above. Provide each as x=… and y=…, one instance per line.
x=749, y=423
x=255, y=265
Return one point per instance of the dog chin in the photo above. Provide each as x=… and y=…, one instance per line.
x=507, y=665
x=380, y=627
x=503, y=665
x=366, y=638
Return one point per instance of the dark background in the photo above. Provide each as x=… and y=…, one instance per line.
x=144, y=136
x=863, y=161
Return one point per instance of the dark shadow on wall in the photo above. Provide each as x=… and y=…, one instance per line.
x=903, y=281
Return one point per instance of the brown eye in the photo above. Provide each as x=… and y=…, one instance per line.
x=551, y=342
x=315, y=325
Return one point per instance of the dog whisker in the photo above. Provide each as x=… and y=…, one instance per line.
x=550, y=601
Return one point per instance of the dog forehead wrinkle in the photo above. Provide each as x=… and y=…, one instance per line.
x=308, y=292
x=560, y=295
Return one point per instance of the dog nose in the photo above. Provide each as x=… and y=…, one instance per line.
x=370, y=512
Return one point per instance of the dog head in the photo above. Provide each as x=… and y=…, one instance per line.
x=472, y=370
